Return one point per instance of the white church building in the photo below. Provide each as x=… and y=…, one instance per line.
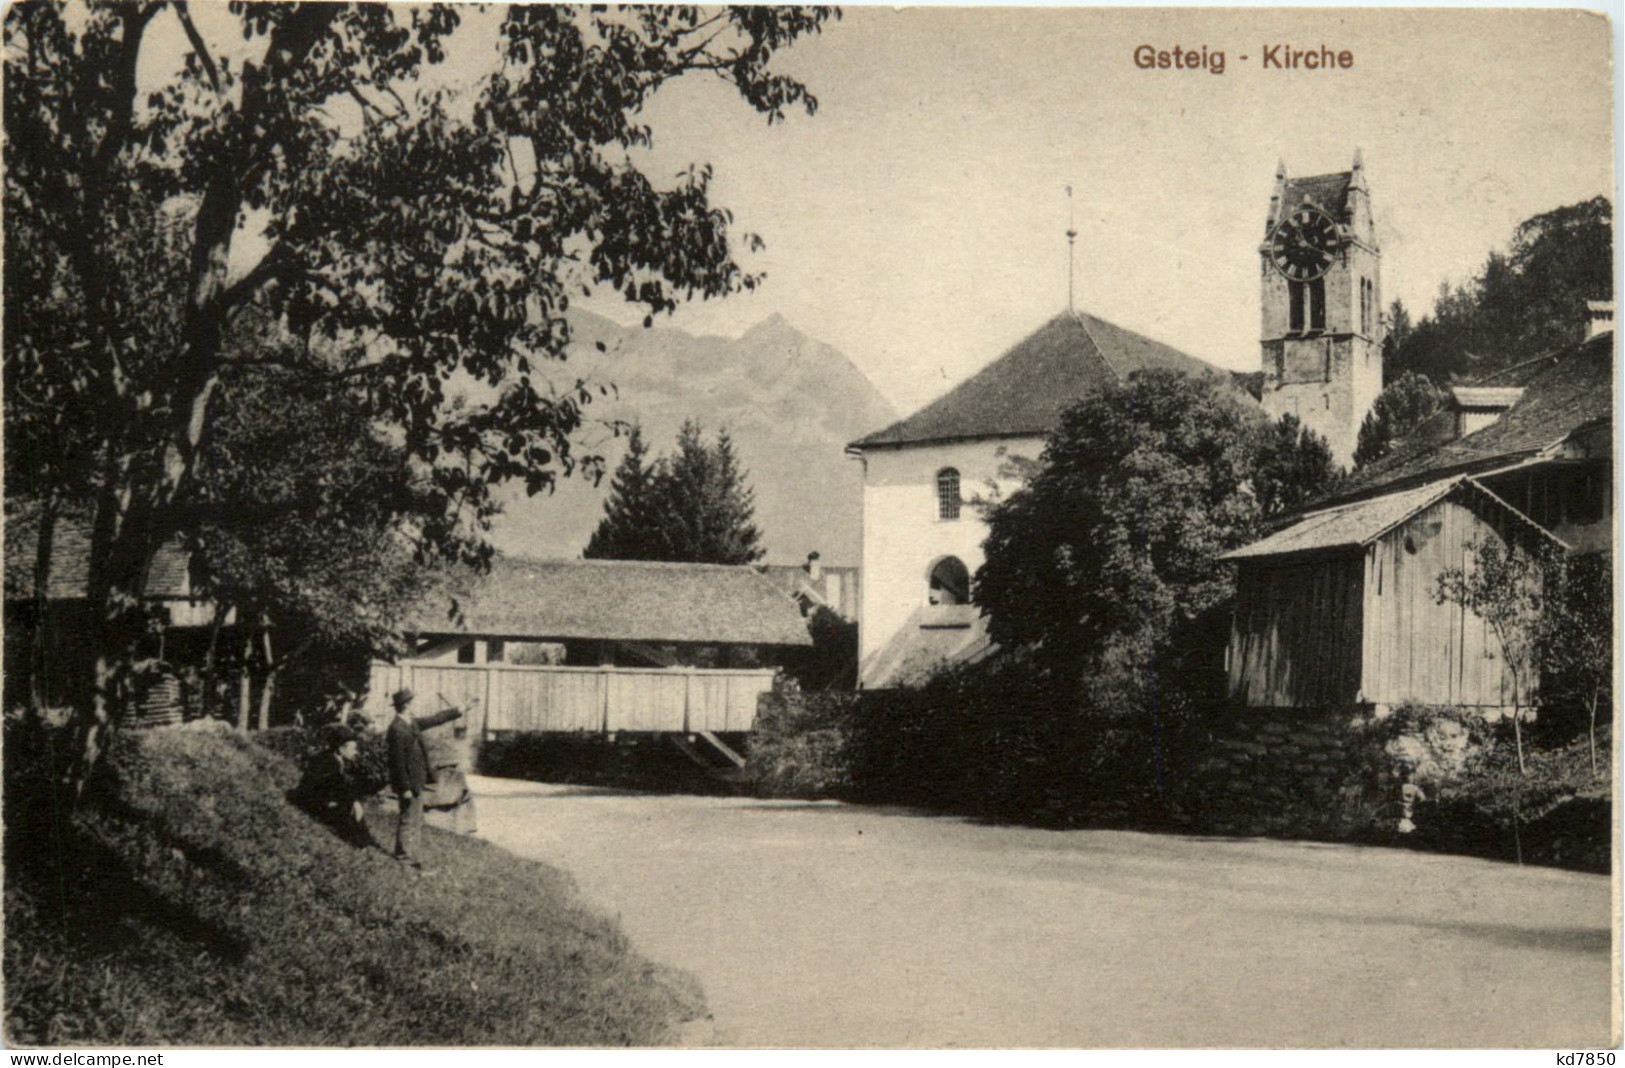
x=922, y=535
x=1320, y=357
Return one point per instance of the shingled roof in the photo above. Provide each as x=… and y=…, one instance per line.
x=1023, y=392
x=1358, y=524
x=1330, y=191
x=1570, y=390
x=620, y=600
x=70, y=560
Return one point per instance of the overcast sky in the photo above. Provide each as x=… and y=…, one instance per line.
x=917, y=222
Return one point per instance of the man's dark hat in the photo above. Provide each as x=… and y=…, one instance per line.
x=338, y=734
x=403, y=697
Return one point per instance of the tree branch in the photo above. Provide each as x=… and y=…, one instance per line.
x=183, y=13
x=122, y=103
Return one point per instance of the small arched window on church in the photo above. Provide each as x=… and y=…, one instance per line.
x=949, y=582
x=1295, y=292
x=948, y=493
x=1317, y=304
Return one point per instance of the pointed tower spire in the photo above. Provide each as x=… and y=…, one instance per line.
x=1276, y=197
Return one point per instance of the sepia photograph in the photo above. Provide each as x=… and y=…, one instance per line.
x=765, y=527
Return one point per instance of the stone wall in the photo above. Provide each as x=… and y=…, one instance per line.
x=1299, y=772
x=1321, y=772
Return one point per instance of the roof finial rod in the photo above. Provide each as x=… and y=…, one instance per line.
x=1071, y=251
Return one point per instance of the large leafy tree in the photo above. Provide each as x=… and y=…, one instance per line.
x=303, y=513
x=1105, y=563
x=1106, y=559
x=1402, y=406
x=418, y=238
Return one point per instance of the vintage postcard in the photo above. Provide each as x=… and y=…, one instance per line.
x=809, y=527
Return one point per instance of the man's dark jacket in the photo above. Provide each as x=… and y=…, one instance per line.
x=409, y=767
x=408, y=757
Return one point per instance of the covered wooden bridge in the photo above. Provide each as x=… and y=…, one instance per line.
x=602, y=647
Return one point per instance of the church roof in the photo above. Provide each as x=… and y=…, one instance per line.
x=1330, y=191
x=1024, y=391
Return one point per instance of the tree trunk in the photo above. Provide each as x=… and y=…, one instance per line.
x=269, y=686
x=1517, y=821
x=121, y=552
x=245, y=684
x=1517, y=736
x=1592, y=737
x=45, y=538
x=211, y=660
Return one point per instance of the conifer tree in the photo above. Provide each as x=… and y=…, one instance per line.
x=630, y=529
x=736, y=538
x=696, y=507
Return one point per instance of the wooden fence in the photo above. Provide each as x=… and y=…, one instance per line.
x=513, y=697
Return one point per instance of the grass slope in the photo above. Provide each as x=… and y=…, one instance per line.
x=187, y=903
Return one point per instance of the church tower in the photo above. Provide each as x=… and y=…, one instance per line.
x=1320, y=274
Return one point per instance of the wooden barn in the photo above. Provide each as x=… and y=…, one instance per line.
x=47, y=638
x=1340, y=608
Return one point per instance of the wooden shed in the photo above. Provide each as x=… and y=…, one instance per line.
x=1341, y=607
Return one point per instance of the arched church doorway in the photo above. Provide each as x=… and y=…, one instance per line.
x=949, y=582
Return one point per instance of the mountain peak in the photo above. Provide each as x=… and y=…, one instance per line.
x=773, y=324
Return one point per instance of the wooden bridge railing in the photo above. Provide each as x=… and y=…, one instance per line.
x=513, y=697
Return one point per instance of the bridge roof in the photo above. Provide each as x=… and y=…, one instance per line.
x=619, y=600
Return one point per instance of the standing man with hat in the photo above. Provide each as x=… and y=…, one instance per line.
x=409, y=772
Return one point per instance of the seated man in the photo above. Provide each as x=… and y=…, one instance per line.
x=332, y=790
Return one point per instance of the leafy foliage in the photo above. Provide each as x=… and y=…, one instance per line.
x=1107, y=559
x=1575, y=642
x=693, y=507
x=300, y=502
x=832, y=662
x=1504, y=585
x=1526, y=301
x=1293, y=467
x=801, y=745
x=421, y=241
x=1402, y=406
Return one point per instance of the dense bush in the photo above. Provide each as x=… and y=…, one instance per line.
x=1009, y=742
x=185, y=903
x=1556, y=812
x=1004, y=742
x=801, y=746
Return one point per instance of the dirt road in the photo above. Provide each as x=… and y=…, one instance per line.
x=832, y=925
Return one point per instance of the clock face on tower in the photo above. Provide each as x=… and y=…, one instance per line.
x=1302, y=245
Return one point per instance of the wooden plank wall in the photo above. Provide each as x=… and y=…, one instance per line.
x=511, y=697
x=1295, y=635
x=1416, y=649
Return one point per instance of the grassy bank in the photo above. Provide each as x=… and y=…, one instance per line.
x=187, y=903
